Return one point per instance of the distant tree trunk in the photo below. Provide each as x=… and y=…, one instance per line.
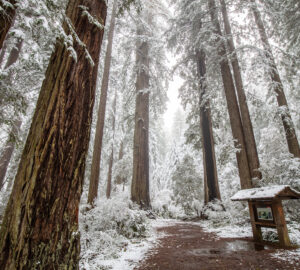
x=7, y=15
x=140, y=178
x=111, y=158
x=8, y=151
x=95, y=169
x=245, y=115
x=10, y=145
x=288, y=124
x=14, y=54
x=232, y=103
x=2, y=53
x=119, y=178
x=40, y=226
x=211, y=184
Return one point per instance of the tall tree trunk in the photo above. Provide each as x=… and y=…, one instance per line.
x=245, y=115
x=211, y=184
x=10, y=145
x=232, y=103
x=288, y=124
x=40, y=226
x=95, y=169
x=8, y=151
x=119, y=178
x=7, y=16
x=140, y=178
x=111, y=158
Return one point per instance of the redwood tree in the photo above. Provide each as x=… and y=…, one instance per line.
x=211, y=184
x=140, y=178
x=95, y=169
x=290, y=133
x=40, y=226
x=7, y=14
x=232, y=103
x=251, y=148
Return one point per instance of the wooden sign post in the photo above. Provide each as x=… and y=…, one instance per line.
x=266, y=210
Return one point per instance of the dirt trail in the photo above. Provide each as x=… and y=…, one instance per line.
x=185, y=246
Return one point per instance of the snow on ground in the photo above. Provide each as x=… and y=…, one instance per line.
x=291, y=256
x=228, y=231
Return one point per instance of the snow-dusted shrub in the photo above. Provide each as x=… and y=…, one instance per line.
x=164, y=205
x=107, y=229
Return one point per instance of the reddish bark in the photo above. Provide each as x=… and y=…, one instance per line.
x=95, y=169
x=232, y=103
x=40, y=226
x=245, y=115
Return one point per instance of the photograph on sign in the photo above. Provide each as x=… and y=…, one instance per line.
x=264, y=213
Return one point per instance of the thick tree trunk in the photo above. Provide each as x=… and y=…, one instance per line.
x=211, y=184
x=8, y=151
x=245, y=115
x=232, y=104
x=40, y=226
x=7, y=16
x=288, y=124
x=111, y=158
x=140, y=178
x=10, y=145
x=95, y=169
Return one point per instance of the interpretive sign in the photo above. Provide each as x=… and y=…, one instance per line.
x=266, y=209
x=264, y=213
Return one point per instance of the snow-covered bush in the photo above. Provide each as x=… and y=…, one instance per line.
x=107, y=228
x=164, y=205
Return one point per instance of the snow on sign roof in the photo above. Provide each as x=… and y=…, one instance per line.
x=266, y=193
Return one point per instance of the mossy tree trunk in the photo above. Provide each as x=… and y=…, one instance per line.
x=140, y=178
x=232, y=103
x=290, y=133
x=7, y=15
x=251, y=148
x=95, y=169
x=211, y=184
x=40, y=226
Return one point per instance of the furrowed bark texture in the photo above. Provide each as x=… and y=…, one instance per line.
x=287, y=121
x=6, y=18
x=140, y=178
x=211, y=184
x=95, y=169
x=251, y=148
x=40, y=226
x=232, y=104
x=10, y=145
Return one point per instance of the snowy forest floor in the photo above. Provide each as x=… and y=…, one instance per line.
x=187, y=245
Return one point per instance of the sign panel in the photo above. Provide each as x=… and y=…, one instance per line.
x=264, y=213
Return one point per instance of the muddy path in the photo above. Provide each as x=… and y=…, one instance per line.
x=185, y=246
